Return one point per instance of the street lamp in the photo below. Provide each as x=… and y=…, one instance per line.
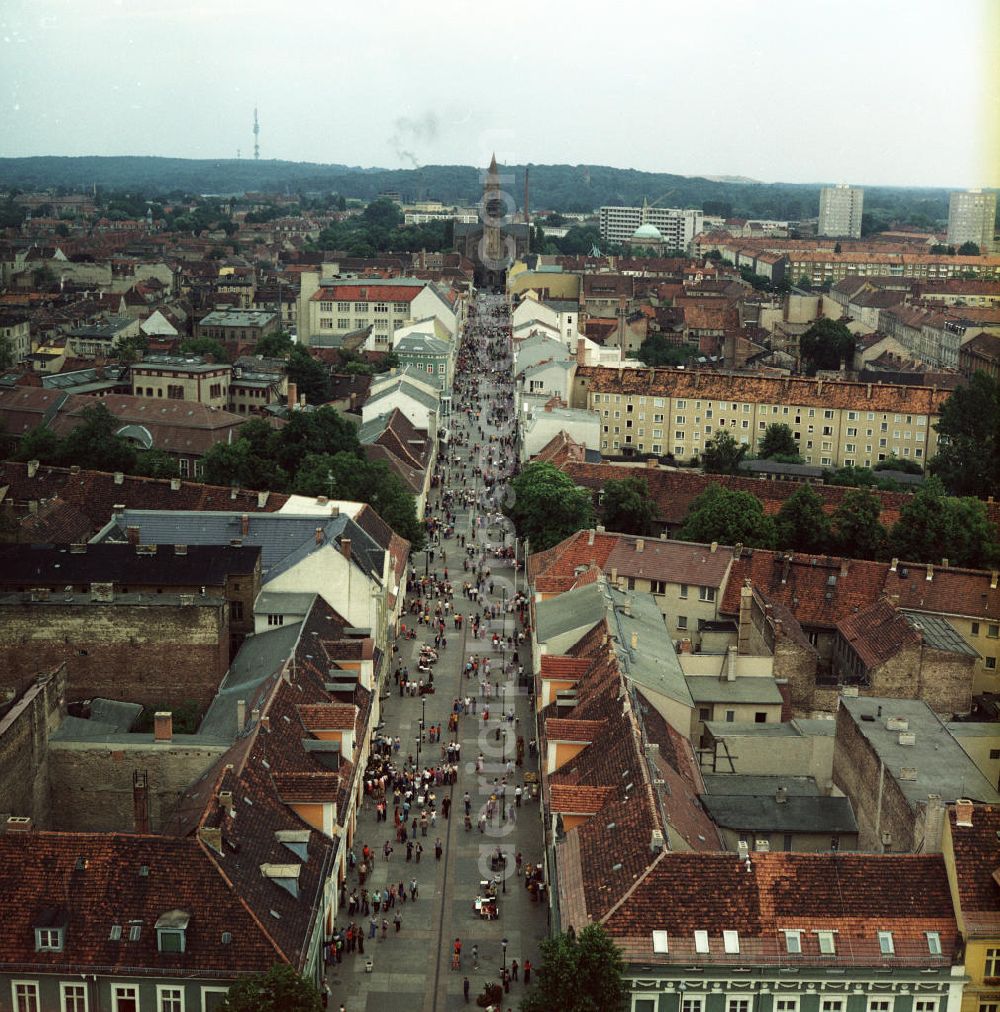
x=503, y=945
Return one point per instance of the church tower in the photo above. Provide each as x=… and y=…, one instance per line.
x=493, y=214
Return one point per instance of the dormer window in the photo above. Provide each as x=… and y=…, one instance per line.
x=793, y=942
x=50, y=930
x=885, y=943
x=827, y=945
x=934, y=943
x=660, y=941
x=701, y=941
x=731, y=942
x=171, y=931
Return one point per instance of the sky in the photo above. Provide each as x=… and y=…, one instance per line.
x=876, y=92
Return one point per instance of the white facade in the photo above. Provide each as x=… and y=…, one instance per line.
x=539, y=425
x=417, y=400
x=678, y=226
x=840, y=211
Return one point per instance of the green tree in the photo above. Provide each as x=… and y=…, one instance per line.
x=276, y=345
x=969, y=249
x=6, y=352
x=778, y=443
x=238, y=464
x=627, y=506
x=893, y=463
x=280, y=989
x=94, y=442
x=310, y=376
x=547, y=506
x=825, y=344
x=205, y=346
x=933, y=526
x=578, y=973
x=131, y=349
x=729, y=517
x=322, y=431
x=40, y=444
x=801, y=523
x=968, y=457
x=723, y=454
x=856, y=529
x=657, y=350
x=346, y=476
x=383, y=213
x=155, y=464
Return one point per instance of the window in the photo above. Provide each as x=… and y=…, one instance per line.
x=275, y=619
x=660, y=941
x=786, y=1005
x=24, y=994
x=692, y=1004
x=793, y=940
x=48, y=939
x=212, y=998
x=684, y=591
x=993, y=631
x=832, y=1005
x=879, y=1005
x=682, y=622
x=169, y=998
x=760, y=717
x=827, y=946
x=175, y=392
x=730, y=716
x=991, y=968
x=934, y=938
x=731, y=941
x=701, y=941
x=885, y=946
x=73, y=997
x=125, y=998
x=991, y=663
x=706, y=593
x=738, y=1005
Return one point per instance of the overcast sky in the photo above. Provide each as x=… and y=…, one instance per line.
x=863, y=91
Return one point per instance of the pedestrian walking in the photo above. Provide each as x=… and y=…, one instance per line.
x=465, y=990
x=527, y=972
x=513, y=970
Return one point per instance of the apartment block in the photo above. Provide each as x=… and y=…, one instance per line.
x=677, y=226
x=840, y=211
x=972, y=218
x=835, y=424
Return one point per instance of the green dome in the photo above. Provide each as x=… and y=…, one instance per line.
x=647, y=231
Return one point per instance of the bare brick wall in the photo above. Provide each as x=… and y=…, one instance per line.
x=941, y=679
x=154, y=653
x=91, y=783
x=24, y=733
x=856, y=773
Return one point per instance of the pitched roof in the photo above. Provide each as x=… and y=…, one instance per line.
x=977, y=857
x=878, y=633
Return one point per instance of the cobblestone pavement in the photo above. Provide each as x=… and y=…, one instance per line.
x=412, y=969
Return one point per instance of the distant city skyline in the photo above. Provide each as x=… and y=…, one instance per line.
x=828, y=92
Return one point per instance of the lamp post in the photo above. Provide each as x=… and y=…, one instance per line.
x=503, y=945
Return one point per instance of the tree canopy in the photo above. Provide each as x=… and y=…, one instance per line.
x=968, y=456
x=723, y=453
x=310, y=376
x=547, y=506
x=657, y=350
x=729, y=517
x=778, y=443
x=856, y=530
x=205, y=346
x=578, y=973
x=279, y=989
x=824, y=345
x=801, y=523
x=627, y=506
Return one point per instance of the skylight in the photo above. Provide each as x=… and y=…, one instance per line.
x=701, y=941
x=660, y=941
x=731, y=941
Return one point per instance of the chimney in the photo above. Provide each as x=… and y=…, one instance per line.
x=590, y=537
x=319, y=535
x=104, y=593
x=241, y=714
x=119, y=477
x=635, y=640
x=581, y=351
x=714, y=547
x=245, y=525
x=262, y=499
x=731, y=664
x=652, y=463
x=132, y=532
x=226, y=801
x=345, y=548
x=78, y=548
x=180, y=549
x=255, y=715
x=32, y=468
x=293, y=395
x=893, y=565
x=781, y=795
x=175, y=484
x=930, y=573
x=640, y=545
x=963, y=813
x=163, y=725
x=140, y=801
x=844, y=566
x=211, y=836
x=18, y=824
x=685, y=646
x=944, y=563
x=993, y=579
x=265, y=723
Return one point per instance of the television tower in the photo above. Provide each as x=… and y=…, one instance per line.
x=256, y=136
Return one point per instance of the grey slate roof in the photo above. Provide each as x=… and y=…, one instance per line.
x=759, y=785
x=279, y=602
x=796, y=814
x=939, y=633
x=709, y=689
x=422, y=344
x=579, y=609
x=284, y=538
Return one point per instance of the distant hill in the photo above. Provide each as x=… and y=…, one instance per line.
x=553, y=187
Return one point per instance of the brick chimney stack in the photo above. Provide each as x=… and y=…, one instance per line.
x=345, y=548
x=163, y=726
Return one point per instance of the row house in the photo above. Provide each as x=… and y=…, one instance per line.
x=834, y=423
x=924, y=333
x=821, y=267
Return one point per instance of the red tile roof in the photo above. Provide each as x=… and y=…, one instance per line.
x=977, y=857
x=854, y=895
x=327, y=716
x=569, y=668
x=372, y=293
x=949, y=591
x=878, y=633
x=561, y=729
x=577, y=800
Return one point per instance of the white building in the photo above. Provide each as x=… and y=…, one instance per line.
x=840, y=211
x=677, y=226
x=540, y=423
x=972, y=218
x=417, y=399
